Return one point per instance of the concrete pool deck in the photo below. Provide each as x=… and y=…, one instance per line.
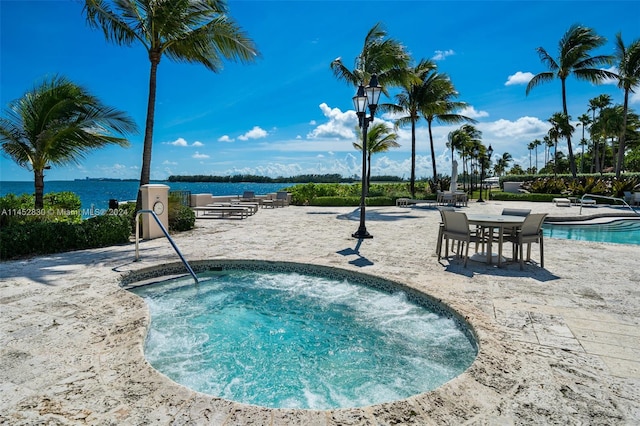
x=559, y=345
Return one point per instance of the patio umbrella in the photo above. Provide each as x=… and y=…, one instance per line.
x=454, y=176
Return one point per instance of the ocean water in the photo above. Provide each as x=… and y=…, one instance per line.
x=97, y=194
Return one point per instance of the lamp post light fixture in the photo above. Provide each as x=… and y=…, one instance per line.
x=365, y=96
x=482, y=159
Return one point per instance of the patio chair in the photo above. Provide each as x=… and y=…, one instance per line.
x=441, y=230
x=514, y=212
x=456, y=228
x=530, y=232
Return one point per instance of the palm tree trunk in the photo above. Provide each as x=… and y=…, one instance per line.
x=145, y=173
x=625, y=108
x=572, y=160
x=412, y=185
x=39, y=188
x=433, y=153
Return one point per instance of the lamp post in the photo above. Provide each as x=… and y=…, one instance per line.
x=365, y=96
x=482, y=158
x=474, y=172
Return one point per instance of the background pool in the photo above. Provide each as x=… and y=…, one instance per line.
x=623, y=231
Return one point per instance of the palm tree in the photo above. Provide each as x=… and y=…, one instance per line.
x=439, y=104
x=548, y=144
x=408, y=105
x=465, y=140
x=536, y=143
x=531, y=146
x=574, y=58
x=628, y=64
x=195, y=31
x=560, y=128
x=584, y=120
x=380, y=55
x=380, y=138
x=57, y=123
x=598, y=103
x=502, y=163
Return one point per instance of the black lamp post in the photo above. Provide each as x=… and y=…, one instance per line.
x=482, y=159
x=365, y=96
x=474, y=171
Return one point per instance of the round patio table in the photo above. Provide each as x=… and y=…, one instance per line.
x=491, y=223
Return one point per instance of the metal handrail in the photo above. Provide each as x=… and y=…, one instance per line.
x=186, y=264
x=607, y=198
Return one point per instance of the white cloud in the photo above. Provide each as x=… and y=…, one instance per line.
x=169, y=163
x=313, y=122
x=472, y=113
x=523, y=126
x=634, y=98
x=442, y=54
x=200, y=156
x=225, y=138
x=519, y=78
x=178, y=142
x=255, y=133
x=341, y=125
x=183, y=142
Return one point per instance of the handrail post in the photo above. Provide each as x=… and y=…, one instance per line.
x=166, y=234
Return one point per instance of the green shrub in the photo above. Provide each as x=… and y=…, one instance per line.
x=509, y=196
x=58, y=207
x=352, y=201
x=33, y=238
x=181, y=218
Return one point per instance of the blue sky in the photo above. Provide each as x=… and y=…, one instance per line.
x=286, y=114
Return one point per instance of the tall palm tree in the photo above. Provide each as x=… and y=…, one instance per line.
x=548, y=144
x=584, y=120
x=380, y=138
x=560, y=128
x=536, y=143
x=628, y=64
x=58, y=123
x=530, y=146
x=439, y=104
x=598, y=103
x=193, y=31
x=408, y=106
x=380, y=55
x=574, y=59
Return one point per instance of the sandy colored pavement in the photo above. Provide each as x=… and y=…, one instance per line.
x=559, y=345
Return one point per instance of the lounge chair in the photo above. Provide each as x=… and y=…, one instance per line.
x=530, y=232
x=456, y=228
x=282, y=198
x=516, y=212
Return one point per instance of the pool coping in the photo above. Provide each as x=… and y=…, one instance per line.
x=473, y=381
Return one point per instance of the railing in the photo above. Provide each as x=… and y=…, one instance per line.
x=186, y=264
x=607, y=198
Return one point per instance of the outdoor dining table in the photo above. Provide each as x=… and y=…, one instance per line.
x=491, y=223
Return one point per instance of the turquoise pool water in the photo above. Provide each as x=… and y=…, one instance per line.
x=291, y=340
x=623, y=231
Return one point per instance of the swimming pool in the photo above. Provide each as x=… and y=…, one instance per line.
x=620, y=231
x=293, y=336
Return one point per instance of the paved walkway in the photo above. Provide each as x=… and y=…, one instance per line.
x=559, y=345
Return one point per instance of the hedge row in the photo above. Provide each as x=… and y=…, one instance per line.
x=55, y=237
